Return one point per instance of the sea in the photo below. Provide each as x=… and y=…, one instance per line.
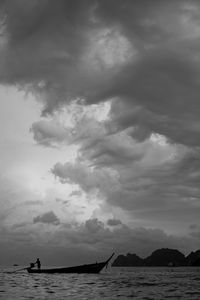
x=147, y=283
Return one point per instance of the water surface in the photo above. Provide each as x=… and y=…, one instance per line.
x=113, y=283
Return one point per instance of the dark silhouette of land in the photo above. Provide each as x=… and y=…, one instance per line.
x=160, y=257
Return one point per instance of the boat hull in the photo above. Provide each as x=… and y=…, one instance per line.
x=90, y=268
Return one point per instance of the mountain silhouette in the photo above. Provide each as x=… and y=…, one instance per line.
x=165, y=257
x=193, y=259
x=160, y=257
x=130, y=260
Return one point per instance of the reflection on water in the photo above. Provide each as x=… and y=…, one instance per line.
x=113, y=283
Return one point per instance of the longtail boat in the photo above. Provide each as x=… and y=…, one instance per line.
x=90, y=268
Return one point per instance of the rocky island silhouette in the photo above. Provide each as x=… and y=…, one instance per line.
x=160, y=257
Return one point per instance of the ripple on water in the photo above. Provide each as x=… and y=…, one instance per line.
x=115, y=283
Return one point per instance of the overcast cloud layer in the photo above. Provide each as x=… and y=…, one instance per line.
x=118, y=80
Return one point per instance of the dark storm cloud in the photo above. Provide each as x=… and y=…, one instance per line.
x=56, y=31
x=148, y=188
x=94, y=225
x=92, y=237
x=159, y=92
x=157, y=89
x=166, y=90
x=112, y=150
x=170, y=184
x=48, y=218
x=143, y=57
x=89, y=180
x=162, y=79
x=114, y=222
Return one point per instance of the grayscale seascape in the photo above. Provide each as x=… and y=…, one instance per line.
x=99, y=149
x=114, y=283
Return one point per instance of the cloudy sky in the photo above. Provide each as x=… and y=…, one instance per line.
x=99, y=128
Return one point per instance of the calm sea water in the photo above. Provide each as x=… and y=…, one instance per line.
x=113, y=283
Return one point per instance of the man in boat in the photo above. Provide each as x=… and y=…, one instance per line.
x=38, y=263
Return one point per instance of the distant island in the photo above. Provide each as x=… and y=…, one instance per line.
x=161, y=257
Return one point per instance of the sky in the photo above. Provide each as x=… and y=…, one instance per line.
x=99, y=129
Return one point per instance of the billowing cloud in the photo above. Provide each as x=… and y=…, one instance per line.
x=88, y=178
x=141, y=60
x=143, y=54
x=92, y=237
x=94, y=225
x=48, y=218
x=114, y=222
x=76, y=193
x=49, y=133
x=161, y=181
x=144, y=156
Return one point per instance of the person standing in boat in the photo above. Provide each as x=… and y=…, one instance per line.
x=38, y=263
